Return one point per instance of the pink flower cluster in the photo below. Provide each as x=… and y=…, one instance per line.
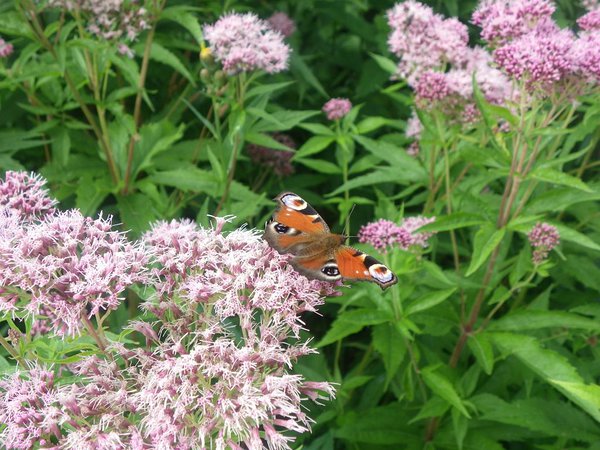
x=110, y=20
x=25, y=194
x=424, y=40
x=281, y=22
x=222, y=333
x=244, y=43
x=385, y=234
x=439, y=65
x=280, y=161
x=543, y=237
x=6, y=48
x=531, y=48
x=336, y=108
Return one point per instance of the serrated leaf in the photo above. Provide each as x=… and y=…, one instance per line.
x=556, y=177
x=537, y=319
x=481, y=348
x=162, y=55
x=351, y=322
x=486, y=241
x=320, y=165
x=314, y=145
x=389, y=343
x=587, y=396
x=570, y=235
x=441, y=386
x=182, y=15
x=454, y=221
x=428, y=300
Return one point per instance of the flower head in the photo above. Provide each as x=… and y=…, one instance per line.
x=110, y=20
x=336, y=108
x=281, y=22
x=543, y=237
x=280, y=161
x=424, y=40
x=504, y=20
x=6, y=48
x=26, y=194
x=385, y=234
x=243, y=43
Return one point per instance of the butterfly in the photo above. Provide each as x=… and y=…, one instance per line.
x=298, y=229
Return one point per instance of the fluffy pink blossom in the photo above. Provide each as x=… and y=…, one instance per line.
x=543, y=237
x=6, y=48
x=431, y=87
x=385, y=234
x=414, y=127
x=539, y=59
x=109, y=20
x=424, y=40
x=503, y=20
x=587, y=53
x=336, y=108
x=590, y=4
x=72, y=265
x=280, y=161
x=590, y=21
x=26, y=194
x=243, y=43
x=281, y=22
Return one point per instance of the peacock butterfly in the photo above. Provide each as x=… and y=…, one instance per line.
x=298, y=229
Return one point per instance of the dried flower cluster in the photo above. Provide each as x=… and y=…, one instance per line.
x=244, y=43
x=543, y=237
x=221, y=334
x=336, y=108
x=111, y=20
x=385, y=234
x=279, y=161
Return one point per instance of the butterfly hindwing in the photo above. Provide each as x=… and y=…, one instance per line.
x=293, y=223
x=356, y=265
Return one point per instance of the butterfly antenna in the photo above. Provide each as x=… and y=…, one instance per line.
x=347, y=227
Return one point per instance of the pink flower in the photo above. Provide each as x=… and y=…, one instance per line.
x=424, y=40
x=590, y=21
x=503, y=20
x=336, y=108
x=280, y=161
x=110, y=20
x=6, y=48
x=431, y=87
x=281, y=22
x=414, y=127
x=543, y=237
x=72, y=265
x=587, y=54
x=385, y=234
x=243, y=43
x=26, y=194
x=540, y=60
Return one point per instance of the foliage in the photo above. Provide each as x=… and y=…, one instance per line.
x=489, y=340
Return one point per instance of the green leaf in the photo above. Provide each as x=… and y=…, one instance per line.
x=61, y=145
x=373, y=123
x=91, y=192
x=486, y=241
x=314, y=145
x=460, y=425
x=434, y=407
x=480, y=346
x=279, y=120
x=382, y=425
x=556, y=177
x=441, y=386
x=12, y=140
x=160, y=54
x=154, y=138
x=389, y=343
x=188, y=179
x=137, y=212
x=393, y=155
x=183, y=16
x=379, y=175
x=320, y=165
x=587, y=396
x=551, y=418
x=428, y=301
x=559, y=199
x=454, y=221
x=351, y=322
x=536, y=319
x=385, y=63
x=570, y=235
x=267, y=89
x=303, y=71
x=264, y=140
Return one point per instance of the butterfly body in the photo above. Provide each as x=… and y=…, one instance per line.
x=298, y=229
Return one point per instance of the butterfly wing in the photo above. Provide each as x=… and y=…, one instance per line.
x=293, y=225
x=353, y=264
